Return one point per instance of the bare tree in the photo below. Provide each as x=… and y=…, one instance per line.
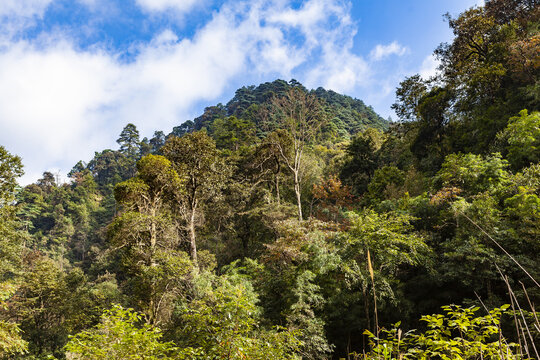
x=300, y=117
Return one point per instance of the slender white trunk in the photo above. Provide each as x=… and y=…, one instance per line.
x=298, y=195
x=192, y=238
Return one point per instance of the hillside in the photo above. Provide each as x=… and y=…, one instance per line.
x=286, y=225
x=346, y=115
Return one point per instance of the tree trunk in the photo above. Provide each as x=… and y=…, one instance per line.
x=192, y=238
x=278, y=170
x=366, y=308
x=152, y=262
x=153, y=235
x=298, y=195
x=277, y=189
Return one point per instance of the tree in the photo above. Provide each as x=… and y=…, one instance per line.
x=222, y=322
x=295, y=281
x=230, y=133
x=147, y=194
x=146, y=235
x=504, y=11
x=333, y=198
x=523, y=137
x=109, y=167
x=181, y=130
x=268, y=157
x=10, y=169
x=195, y=157
x=300, y=115
x=408, y=96
x=472, y=173
x=11, y=236
x=41, y=305
x=129, y=141
x=361, y=160
x=11, y=251
x=385, y=180
x=157, y=141
x=11, y=342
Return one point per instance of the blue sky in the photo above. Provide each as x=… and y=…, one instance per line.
x=74, y=72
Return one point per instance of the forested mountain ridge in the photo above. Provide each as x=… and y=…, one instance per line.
x=280, y=226
x=346, y=116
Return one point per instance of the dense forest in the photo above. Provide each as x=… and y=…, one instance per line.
x=298, y=224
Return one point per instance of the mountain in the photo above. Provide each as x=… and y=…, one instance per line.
x=346, y=115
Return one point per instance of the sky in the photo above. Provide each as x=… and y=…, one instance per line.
x=73, y=73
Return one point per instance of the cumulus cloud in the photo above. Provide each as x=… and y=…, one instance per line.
x=429, y=67
x=181, y=6
x=50, y=103
x=381, y=52
x=59, y=104
x=341, y=71
x=329, y=30
x=17, y=15
x=23, y=8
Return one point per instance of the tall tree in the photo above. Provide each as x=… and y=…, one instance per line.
x=129, y=141
x=301, y=116
x=157, y=141
x=146, y=235
x=196, y=157
x=11, y=236
x=11, y=240
x=10, y=169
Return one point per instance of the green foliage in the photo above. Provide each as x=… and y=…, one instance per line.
x=473, y=173
x=51, y=304
x=222, y=322
x=524, y=205
x=389, y=237
x=296, y=267
x=408, y=96
x=196, y=158
x=11, y=341
x=457, y=334
x=146, y=237
x=523, y=137
x=10, y=169
x=436, y=206
x=361, y=161
x=386, y=181
x=347, y=116
x=231, y=133
x=129, y=141
x=11, y=235
x=110, y=167
x=302, y=317
x=119, y=337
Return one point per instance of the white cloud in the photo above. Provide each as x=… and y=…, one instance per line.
x=340, y=71
x=381, y=52
x=16, y=15
x=50, y=103
x=429, y=67
x=329, y=30
x=23, y=8
x=59, y=104
x=181, y=6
